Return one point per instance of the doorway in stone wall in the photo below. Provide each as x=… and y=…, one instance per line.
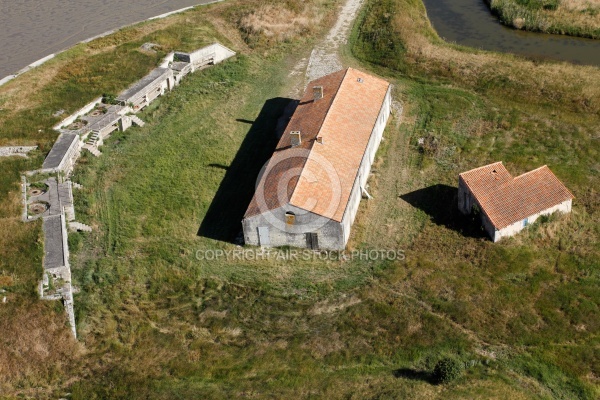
x=312, y=241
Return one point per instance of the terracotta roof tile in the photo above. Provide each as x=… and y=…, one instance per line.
x=324, y=173
x=506, y=200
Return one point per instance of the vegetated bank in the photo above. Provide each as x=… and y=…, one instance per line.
x=460, y=317
x=563, y=17
x=479, y=107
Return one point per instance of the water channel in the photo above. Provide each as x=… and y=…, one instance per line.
x=470, y=23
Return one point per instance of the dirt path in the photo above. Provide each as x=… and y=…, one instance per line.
x=324, y=58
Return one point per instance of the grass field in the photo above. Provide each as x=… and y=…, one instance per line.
x=157, y=322
x=564, y=17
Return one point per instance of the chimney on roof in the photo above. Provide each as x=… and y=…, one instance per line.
x=320, y=139
x=295, y=138
x=317, y=92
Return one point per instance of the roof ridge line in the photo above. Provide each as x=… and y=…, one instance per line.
x=533, y=170
x=551, y=173
x=514, y=178
x=483, y=166
x=333, y=101
x=318, y=131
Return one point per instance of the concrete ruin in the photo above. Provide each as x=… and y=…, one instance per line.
x=63, y=154
x=94, y=122
x=58, y=210
x=8, y=151
x=143, y=92
x=87, y=129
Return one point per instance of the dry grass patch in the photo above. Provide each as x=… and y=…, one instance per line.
x=22, y=93
x=39, y=350
x=279, y=24
x=282, y=21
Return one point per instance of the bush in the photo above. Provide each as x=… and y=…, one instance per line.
x=109, y=98
x=447, y=370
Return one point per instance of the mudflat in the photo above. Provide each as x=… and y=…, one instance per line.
x=31, y=30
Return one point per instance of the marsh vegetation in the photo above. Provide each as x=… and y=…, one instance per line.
x=564, y=17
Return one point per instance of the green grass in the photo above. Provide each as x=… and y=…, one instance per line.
x=156, y=322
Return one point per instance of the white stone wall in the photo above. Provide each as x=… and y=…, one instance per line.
x=511, y=230
x=465, y=198
x=214, y=53
x=365, y=166
x=80, y=113
x=222, y=53
x=125, y=123
x=167, y=60
x=68, y=162
x=330, y=234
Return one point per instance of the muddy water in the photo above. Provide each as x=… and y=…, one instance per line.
x=470, y=23
x=32, y=29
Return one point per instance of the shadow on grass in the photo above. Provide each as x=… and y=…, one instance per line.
x=219, y=166
x=224, y=216
x=440, y=203
x=413, y=374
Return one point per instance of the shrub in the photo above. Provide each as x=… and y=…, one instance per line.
x=109, y=98
x=447, y=370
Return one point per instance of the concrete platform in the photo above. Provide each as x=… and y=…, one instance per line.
x=54, y=256
x=59, y=150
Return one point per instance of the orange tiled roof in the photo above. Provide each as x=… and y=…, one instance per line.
x=324, y=172
x=506, y=200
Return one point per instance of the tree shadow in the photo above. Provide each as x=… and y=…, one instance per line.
x=415, y=375
x=440, y=202
x=223, y=219
x=219, y=166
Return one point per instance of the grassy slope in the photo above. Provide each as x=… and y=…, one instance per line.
x=537, y=292
x=565, y=17
x=157, y=323
x=38, y=352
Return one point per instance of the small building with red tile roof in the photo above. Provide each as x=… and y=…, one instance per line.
x=508, y=204
x=308, y=193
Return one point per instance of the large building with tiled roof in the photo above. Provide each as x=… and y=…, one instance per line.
x=309, y=191
x=507, y=204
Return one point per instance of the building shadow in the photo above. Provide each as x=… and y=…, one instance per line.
x=224, y=216
x=440, y=202
x=413, y=374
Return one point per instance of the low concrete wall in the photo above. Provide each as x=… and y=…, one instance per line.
x=167, y=60
x=80, y=113
x=8, y=151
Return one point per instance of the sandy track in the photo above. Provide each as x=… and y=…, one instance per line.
x=324, y=58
